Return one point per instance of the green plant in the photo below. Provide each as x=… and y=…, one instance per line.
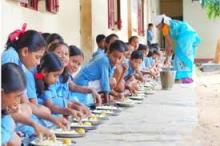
x=212, y=7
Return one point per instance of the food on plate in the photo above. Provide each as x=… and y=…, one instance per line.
x=80, y=130
x=67, y=141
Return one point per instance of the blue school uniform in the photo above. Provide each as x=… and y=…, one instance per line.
x=99, y=52
x=147, y=63
x=11, y=56
x=129, y=72
x=61, y=92
x=57, y=93
x=6, y=129
x=98, y=69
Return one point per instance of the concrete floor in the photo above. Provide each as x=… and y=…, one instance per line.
x=166, y=118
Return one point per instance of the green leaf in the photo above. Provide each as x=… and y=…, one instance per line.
x=212, y=8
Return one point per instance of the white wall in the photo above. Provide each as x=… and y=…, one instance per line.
x=209, y=30
x=66, y=22
x=153, y=9
x=1, y=35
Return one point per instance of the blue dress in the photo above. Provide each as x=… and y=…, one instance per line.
x=187, y=41
x=7, y=129
x=11, y=56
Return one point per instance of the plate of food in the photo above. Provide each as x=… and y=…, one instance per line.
x=102, y=116
x=86, y=125
x=111, y=108
x=139, y=97
x=93, y=119
x=107, y=112
x=125, y=103
x=52, y=142
x=74, y=133
x=134, y=101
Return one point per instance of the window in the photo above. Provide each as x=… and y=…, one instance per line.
x=114, y=14
x=32, y=4
x=52, y=6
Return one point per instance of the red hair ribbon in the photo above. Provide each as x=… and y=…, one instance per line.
x=39, y=76
x=18, y=33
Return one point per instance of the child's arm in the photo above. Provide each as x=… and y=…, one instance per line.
x=104, y=81
x=56, y=109
x=77, y=88
x=45, y=113
x=130, y=84
x=124, y=70
x=139, y=76
x=47, y=101
x=24, y=116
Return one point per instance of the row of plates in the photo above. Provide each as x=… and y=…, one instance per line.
x=102, y=110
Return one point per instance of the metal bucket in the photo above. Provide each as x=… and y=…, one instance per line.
x=167, y=78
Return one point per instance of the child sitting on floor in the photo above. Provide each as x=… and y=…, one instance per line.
x=64, y=86
x=101, y=69
x=100, y=40
x=46, y=76
x=13, y=86
x=133, y=74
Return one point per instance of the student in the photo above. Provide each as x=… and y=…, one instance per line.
x=150, y=34
x=134, y=42
x=101, y=69
x=109, y=40
x=100, y=40
x=47, y=74
x=132, y=76
x=128, y=51
x=25, y=48
x=76, y=59
x=148, y=61
x=45, y=35
x=64, y=84
x=54, y=38
x=13, y=86
x=119, y=73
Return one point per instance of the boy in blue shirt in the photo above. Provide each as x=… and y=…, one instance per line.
x=102, y=69
x=100, y=40
x=133, y=74
x=150, y=34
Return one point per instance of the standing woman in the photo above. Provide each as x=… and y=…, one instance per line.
x=186, y=40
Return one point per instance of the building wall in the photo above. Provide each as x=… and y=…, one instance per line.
x=208, y=30
x=65, y=22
